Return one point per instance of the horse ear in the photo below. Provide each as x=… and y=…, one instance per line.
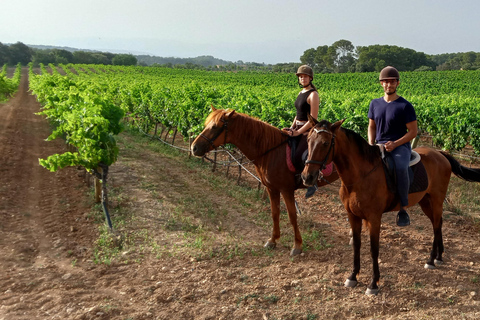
x=312, y=120
x=230, y=113
x=337, y=125
x=213, y=108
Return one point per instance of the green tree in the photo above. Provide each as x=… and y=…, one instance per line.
x=4, y=54
x=308, y=57
x=20, y=53
x=62, y=56
x=342, y=54
x=83, y=57
x=321, y=58
x=124, y=60
x=374, y=58
x=43, y=56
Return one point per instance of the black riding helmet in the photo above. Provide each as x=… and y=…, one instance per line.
x=389, y=73
x=304, y=69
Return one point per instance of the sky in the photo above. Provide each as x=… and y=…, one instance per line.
x=263, y=31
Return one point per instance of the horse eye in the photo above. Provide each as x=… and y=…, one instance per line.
x=326, y=143
x=214, y=127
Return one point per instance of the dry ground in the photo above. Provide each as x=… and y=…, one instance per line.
x=192, y=244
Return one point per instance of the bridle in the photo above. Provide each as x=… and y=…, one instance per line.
x=224, y=127
x=331, y=149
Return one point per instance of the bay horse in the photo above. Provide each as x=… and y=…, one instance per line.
x=265, y=146
x=364, y=190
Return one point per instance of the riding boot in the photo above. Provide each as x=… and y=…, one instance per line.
x=311, y=191
x=403, y=219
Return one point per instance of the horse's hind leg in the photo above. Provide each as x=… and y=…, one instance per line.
x=356, y=225
x=433, y=209
x=275, y=207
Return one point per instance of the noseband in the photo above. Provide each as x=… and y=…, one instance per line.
x=331, y=149
x=224, y=127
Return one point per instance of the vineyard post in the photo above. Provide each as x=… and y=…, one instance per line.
x=189, y=145
x=98, y=185
x=214, y=161
x=239, y=171
x=174, y=135
x=101, y=174
x=166, y=135
x=105, y=197
x=161, y=133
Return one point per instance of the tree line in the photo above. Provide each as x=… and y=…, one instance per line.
x=340, y=57
x=343, y=56
x=21, y=53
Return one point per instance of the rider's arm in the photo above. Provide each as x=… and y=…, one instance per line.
x=372, y=131
x=410, y=135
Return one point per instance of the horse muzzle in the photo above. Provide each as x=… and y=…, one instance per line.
x=199, y=149
x=309, y=178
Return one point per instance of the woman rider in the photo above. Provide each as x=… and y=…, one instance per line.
x=307, y=102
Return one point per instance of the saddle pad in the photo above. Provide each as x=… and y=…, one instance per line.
x=326, y=172
x=290, y=165
x=420, y=178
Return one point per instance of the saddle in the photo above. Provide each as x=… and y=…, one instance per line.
x=416, y=172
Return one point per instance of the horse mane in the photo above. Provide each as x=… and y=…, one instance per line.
x=261, y=134
x=368, y=152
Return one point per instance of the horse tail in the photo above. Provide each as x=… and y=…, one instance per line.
x=468, y=174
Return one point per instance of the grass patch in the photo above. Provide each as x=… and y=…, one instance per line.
x=462, y=197
x=186, y=220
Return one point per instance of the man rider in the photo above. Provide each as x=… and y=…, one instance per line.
x=393, y=122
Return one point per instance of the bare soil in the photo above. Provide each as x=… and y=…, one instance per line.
x=193, y=248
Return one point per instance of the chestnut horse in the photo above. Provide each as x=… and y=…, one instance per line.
x=364, y=190
x=265, y=146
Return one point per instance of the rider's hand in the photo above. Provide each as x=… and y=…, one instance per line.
x=390, y=146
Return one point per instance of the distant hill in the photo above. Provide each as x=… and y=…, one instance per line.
x=205, y=61
x=43, y=47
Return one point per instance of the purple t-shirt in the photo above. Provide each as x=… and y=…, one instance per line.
x=391, y=118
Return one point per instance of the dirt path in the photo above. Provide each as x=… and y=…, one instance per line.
x=47, y=240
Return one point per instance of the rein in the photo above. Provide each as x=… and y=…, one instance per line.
x=332, y=149
x=212, y=141
x=225, y=128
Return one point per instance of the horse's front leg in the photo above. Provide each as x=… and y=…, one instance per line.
x=356, y=228
x=275, y=207
x=374, y=227
x=289, y=198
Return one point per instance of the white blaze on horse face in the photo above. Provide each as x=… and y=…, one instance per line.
x=318, y=143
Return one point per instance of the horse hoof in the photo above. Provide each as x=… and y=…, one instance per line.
x=429, y=266
x=270, y=245
x=438, y=262
x=350, y=283
x=371, y=292
x=295, y=252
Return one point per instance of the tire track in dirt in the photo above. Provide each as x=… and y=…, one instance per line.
x=34, y=205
